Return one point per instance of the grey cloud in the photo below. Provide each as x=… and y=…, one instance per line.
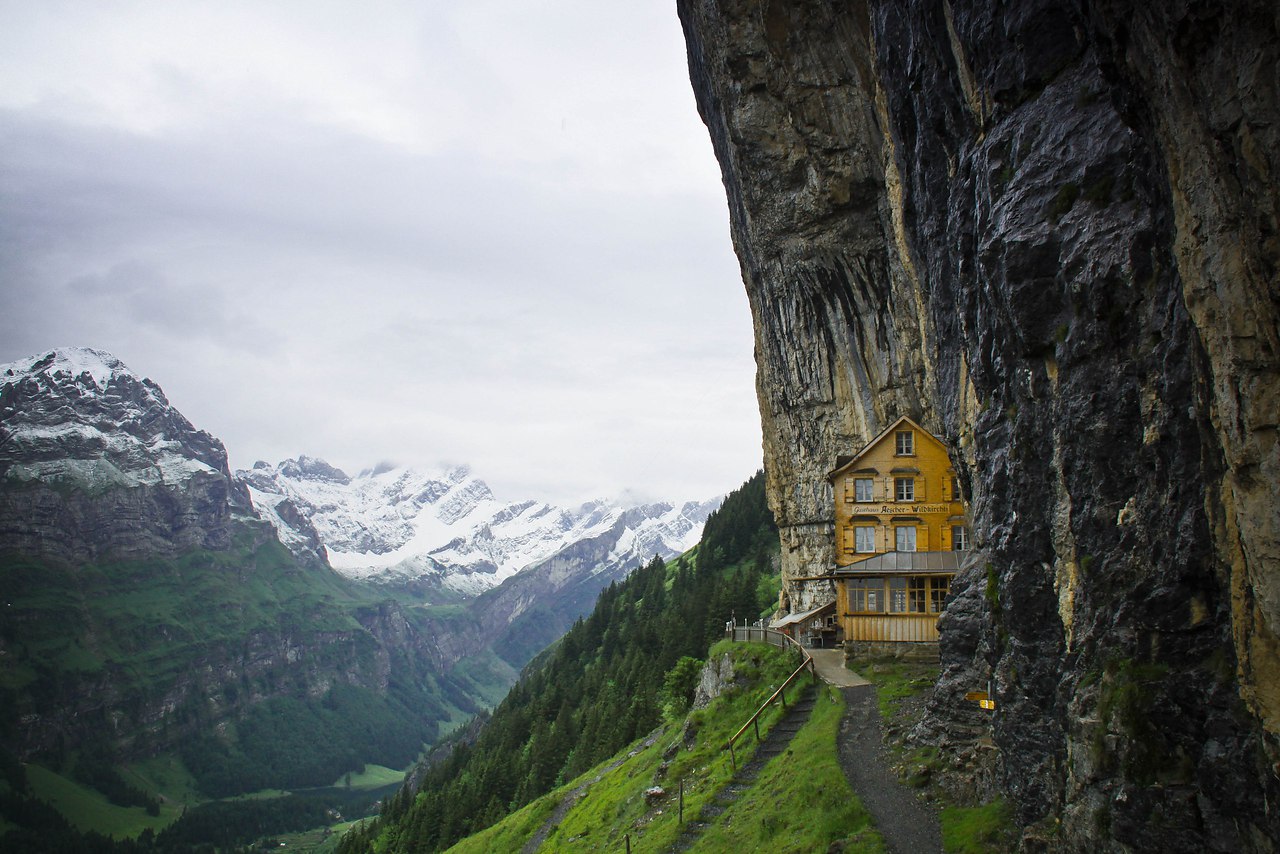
x=296, y=286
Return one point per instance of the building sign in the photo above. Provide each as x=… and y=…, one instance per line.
x=913, y=509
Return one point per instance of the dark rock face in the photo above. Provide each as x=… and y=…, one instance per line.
x=1047, y=231
x=95, y=463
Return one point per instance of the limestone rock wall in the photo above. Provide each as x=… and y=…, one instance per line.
x=1048, y=232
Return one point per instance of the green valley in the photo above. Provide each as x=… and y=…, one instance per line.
x=613, y=678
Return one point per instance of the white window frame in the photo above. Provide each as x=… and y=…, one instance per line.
x=904, y=489
x=904, y=443
x=864, y=489
x=864, y=537
x=960, y=539
x=901, y=537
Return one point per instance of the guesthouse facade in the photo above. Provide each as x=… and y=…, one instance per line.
x=901, y=536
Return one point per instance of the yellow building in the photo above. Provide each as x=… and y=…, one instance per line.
x=900, y=534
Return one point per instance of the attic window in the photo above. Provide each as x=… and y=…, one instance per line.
x=906, y=445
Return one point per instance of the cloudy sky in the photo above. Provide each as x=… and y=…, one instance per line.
x=489, y=232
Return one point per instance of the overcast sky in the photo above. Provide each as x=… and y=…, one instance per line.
x=484, y=232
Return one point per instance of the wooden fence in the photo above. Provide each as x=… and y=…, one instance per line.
x=759, y=634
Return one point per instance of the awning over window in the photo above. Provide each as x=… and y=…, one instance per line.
x=908, y=563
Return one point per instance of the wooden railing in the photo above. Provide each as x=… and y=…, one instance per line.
x=770, y=636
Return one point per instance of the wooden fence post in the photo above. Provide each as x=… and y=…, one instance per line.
x=628, y=843
x=682, y=801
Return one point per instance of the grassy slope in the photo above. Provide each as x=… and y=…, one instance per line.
x=89, y=810
x=801, y=796
x=801, y=802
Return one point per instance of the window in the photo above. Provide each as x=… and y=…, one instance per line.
x=904, y=539
x=866, y=594
x=897, y=595
x=906, y=446
x=915, y=595
x=938, y=590
x=959, y=538
x=904, y=488
x=865, y=536
x=957, y=494
x=862, y=487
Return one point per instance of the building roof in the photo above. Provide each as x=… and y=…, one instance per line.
x=853, y=461
x=793, y=619
x=908, y=563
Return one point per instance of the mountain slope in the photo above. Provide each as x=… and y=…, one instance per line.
x=148, y=608
x=603, y=684
x=157, y=605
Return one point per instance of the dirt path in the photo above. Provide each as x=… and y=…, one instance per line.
x=908, y=825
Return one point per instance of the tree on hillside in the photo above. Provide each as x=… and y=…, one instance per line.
x=603, y=685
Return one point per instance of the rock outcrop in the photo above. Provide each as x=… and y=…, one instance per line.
x=1048, y=232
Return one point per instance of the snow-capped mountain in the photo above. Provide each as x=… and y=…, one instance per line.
x=94, y=461
x=124, y=431
x=402, y=524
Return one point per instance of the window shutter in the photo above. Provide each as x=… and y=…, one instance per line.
x=848, y=539
x=946, y=487
x=920, y=489
x=945, y=545
x=922, y=538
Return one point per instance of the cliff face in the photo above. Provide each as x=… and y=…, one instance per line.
x=1048, y=232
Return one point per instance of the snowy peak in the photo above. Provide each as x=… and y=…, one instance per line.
x=80, y=416
x=375, y=513
x=94, y=461
x=447, y=528
x=310, y=468
x=80, y=365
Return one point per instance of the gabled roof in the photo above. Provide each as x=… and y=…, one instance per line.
x=908, y=563
x=884, y=434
